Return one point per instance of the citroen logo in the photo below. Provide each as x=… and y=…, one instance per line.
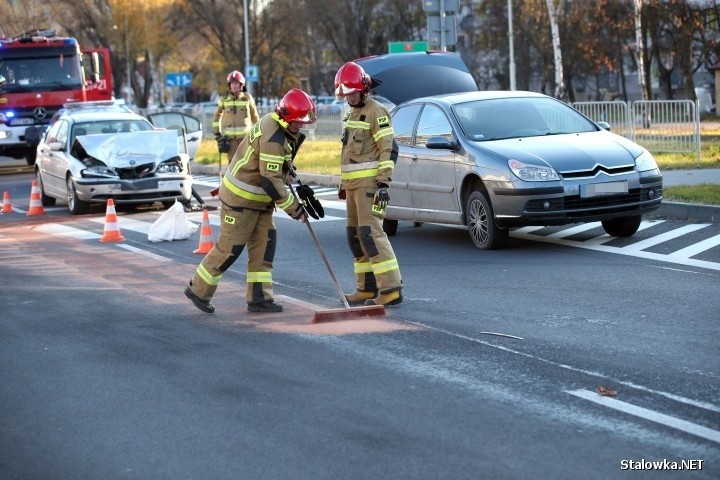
x=39, y=113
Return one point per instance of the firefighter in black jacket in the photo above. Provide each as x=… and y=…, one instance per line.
x=254, y=184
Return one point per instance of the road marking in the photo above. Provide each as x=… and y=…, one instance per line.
x=664, y=237
x=65, y=231
x=144, y=252
x=651, y=415
x=573, y=230
x=696, y=248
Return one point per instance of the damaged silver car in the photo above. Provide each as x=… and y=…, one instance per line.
x=84, y=159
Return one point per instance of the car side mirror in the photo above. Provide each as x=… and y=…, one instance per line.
x=604, y=125
x=441, y=143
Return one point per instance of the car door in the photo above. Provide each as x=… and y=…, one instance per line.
x=177, y=121
x=432, y=171
x=403, y=121
x=53, y=162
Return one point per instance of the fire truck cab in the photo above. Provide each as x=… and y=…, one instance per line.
x=39, y=72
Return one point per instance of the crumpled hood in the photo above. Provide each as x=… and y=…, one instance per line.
x=121, y=150
x=570, y=152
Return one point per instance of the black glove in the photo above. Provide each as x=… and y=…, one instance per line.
x=382, y=198
x=342, y=195
x=312, y=205
x=223, y=144
x=218, y=136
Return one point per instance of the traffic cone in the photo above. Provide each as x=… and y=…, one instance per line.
x=111, y=233
x=6, y=208
x=206, y=237
x=36, y=207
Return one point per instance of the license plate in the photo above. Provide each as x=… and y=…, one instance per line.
x=22, y=121
x=146, y=184
x=609, y=188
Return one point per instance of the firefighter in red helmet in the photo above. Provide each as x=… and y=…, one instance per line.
x=236, y=113
x=369, y=153
x=254, y=185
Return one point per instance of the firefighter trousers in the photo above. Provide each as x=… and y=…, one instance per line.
x=238, y=228
x=375, y=266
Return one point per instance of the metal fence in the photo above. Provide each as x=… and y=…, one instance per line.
x=659, y=125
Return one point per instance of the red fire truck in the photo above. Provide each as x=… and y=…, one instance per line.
x=39, y=72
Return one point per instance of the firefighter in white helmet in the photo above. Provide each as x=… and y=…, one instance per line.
x=235, y=114
x=254, y=185
x=369, y=153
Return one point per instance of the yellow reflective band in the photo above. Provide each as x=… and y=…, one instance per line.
x=372, y=172
x=259, y=277
x=245, y=159
x=363, y=267
x=205, y=275
x=383, y=133
x=357, y=124
x=265, y=157
x=287, y=203
x=385, y=266
x=387, y=164
x=277, y=118
x=244, y=193
x=377, y=209
x=216, y=124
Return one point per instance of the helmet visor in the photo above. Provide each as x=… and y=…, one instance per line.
x=343, y=90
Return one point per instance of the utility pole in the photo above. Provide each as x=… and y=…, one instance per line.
x=247, y=43
x=511, y=37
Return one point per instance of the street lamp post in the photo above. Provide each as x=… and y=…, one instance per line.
x=247, y=43
x=512, y=45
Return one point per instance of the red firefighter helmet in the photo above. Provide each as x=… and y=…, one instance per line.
x=296, y=106
x=351, y=78
x=236, y=76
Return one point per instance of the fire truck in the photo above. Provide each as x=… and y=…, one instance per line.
x=39, y=72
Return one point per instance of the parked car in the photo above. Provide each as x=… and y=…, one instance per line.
x=495, y=160
x=92, y=153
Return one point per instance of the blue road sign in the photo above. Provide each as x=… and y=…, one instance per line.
x=252, y=74
x=182, y=79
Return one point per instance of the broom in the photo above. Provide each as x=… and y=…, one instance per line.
x=347, y=312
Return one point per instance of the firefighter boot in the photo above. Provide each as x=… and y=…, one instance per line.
x=358, y=297
x=386, y=299
x=203, y=305
x=264, y=307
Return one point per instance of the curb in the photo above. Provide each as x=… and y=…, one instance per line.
x=677, y=210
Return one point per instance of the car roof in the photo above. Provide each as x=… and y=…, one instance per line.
x=456, y=98
x=405, y=76
x=99, y=114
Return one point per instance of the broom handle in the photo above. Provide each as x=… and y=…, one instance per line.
x=322, y=254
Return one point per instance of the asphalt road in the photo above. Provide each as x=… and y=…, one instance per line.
x=489, y=369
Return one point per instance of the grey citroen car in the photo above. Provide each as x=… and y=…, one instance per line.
x=494, y=160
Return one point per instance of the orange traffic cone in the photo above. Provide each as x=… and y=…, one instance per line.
x=6, y=208
x=36, y=207
x=111, y=233
x=206, y=237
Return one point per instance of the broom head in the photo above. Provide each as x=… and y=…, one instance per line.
x=350, y=313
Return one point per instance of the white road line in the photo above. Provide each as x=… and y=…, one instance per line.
x=606, y=238
x=125, y=223
x=65, y=231
x=527, y=229
x=573, y=230
x=664, y=237
x=144, y=252
x=651, y=415
x=696, y=248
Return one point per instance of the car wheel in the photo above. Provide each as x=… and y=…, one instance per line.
x=31, y=157
x=44, y=199
x=76, y=206
x=481, y=225
x=390, y=227
x=623, y=226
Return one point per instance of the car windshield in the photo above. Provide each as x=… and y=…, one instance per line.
x=110, y=126
x=497, y=119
